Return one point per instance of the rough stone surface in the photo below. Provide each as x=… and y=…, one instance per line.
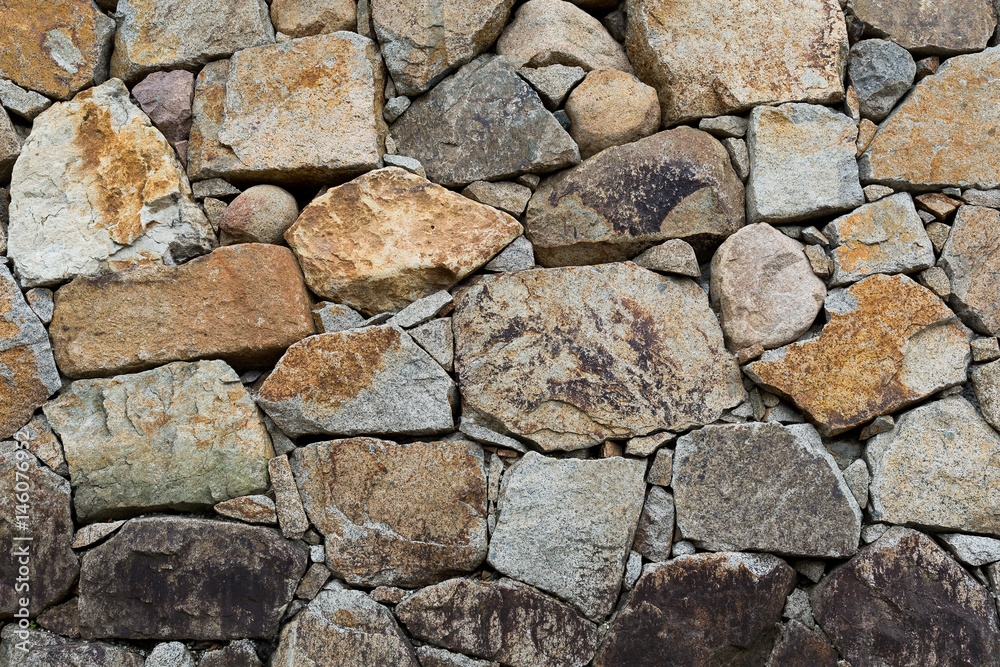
x=170, y=654
x=38, y=437
x=655, y=534
x=675, y=184
x=305, y=18
x=506, y=196
x=673, y=256
x=422, y=310
x=49, y=650
x=517, y=256
x=971, y=258
x=249, y=509
x=973, y=550
x=611, y=108
x=923, y=28
x=287, y=500
x=438, y=657
x=552, y=82
x=166, y=98
x=25, y=103
x=240, y=653
x=261, y=214
x=10, y=146
x=618, y=366
x=334, y=317
x=889, y=343
x=986, y=384
x=985, y=349
x=881, y=73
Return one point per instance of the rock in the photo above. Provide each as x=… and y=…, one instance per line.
x=239, y=653
x=10, y=146
x=305, y=18
x=915, y=149
x=422, y=310
x=38, y=438
x=49, y=650
x=422, y=43
x=40, y=531
x=661, y=472
x=700, y=610
x=174, y=34
x=287, y=501
x=941, y=206
x=985, y=349
x=395, y=108
x=889, y=343
x=881, y=73
x=739, y=156
x=99, y=190
x=935, y=469
x=40, y=301
x=166, y=98
x=673, y=256
x=207, y=157
x=503, y=620
x=483, y=123
x=636, y=353
x=506, y=196
x=936, y=280
x=719, y=57
x=724, y=126
x=566, y=527
x=172, y=654
x=437, y=340
x=903, y=601
x=986, y=384
x=646, y=445
x=764, y=288
x=438, y=657
x=408, y=163
x=249, y=509
x=972, y=549
x=818, y=260
x=395, y=515
x=373, y=380
x=943, y=29
x=876, y=192
x=971, y=258
x=517, y=256
x=262, y=214
x=675, y=184
x=25, y=103
x=333, y=317
x=316, y=576
x=655, y=533
x=94, y=533
x=789, y=498
x=611, y=108
x=802, y=163
x=343, y=628
x=988, y=198
x=243, y=304
x=801, y=647
x=857, y=478
x=552, y=82
x=63, y=619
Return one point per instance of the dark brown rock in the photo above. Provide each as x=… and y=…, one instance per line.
x=63, y=619
x=801, y=647
x=238, y=654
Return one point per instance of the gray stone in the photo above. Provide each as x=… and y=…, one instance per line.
x=25, y=103
x=971, y=258
x=317, y=553
x=421, y=310
x=395, y=107
x=801, y=645
x=518, y=256
x=873, y=532
x=655, y=534
x=724, y=126
x=94, y=533
x=941, y=28
x=213, y=187
x=240, y=653
x=489, y=437
x=45, y=649
x=936, y=280
x=986, y=384
x=504, y=195
x=857, y=477
x=673, y=256
x=312, y=583
x=881, y=73
x=172, y=654
x=40, y=300
x=437, y=340
x=798, y=608
x=552, y=82
x=430, y=656
x=10, y=146
x=811, y=569
x=814, y=236
x=985, y=349
x=410, y=164
x=683, y=548
x=287, y=501
x=988, y=198
x=739, y=155
x=661, y=472
x=876, y=192
x=334, y=317
x=973, y=550
x=633, y=570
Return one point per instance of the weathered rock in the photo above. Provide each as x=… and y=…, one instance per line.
x=802, y=163
x=25, y=103
x=421, y=310
x=395, y=515
x=971, y=258
x=176, y=34
x=287, y=501
x=316, y=576
x=504, y=195
x=724, y=126
x=940, y=205
x=240, y=653
x=334, y=317
x=99, y=190
x=764, y=288
x=10, y=146
x=438, y=657
x=940, y=28
x=552, y=82
x=634, y=354
x=261, y=214
x=166, y=98
x=801, y=647
x=986, y=384
x=655, y=533
x=985, y=349
x=973, y=550
x=244, y=304
x=342, y=629
x=94, y=533
x=207, y=157
x=423, y=42
x=517, y=256
x=170, y=654
x=903, y=601
x=212, y=580
x=305, y=18
x=373, y=380
x=38, y=438
x=611, y=108
x=249, y=509
x=675, y=184
x=673, y=256
x=886, y=236
x=44, y=649
x=916, y=148
x=700, y=610
x=483, y=123
x=889, y=343
x=566, y=526
x=881, y=73
x=935, y=468
x=503, y=620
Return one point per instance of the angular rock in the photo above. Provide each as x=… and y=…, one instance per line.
x=305, y=18
x=212, y=580
x=903, y=601
x=170, y=654
x=334, y=317
x=422, y=310
x=801, y=647
x=483, y=123
x=923, y=28
x=971, y=258
x=675, y=184
x=94, y=533
x=25, y=103
x=504, y=195
x=739, y=156
x=985, y=349
x=552, y=82
x=45, y=649
x=438, y=657
x=611, y=108
x=207, y=157
x=881, y=73
x=941, y=206
x=566, y=527
x=802, y=163
x=764, y=288
x=724, y=126
x=635, y=353
x=287, y=501
x=243, y=304
x=702, y=609
x=313, y=581
x=518, y=256
x=249, y=509
x=972, y=550
x=214, y=188
x=673, y=256
x=10, y=146
x=857, y=477
x=388, y=238
x=373, y=380
x=986, y=384
x=889, y=343
x=503, y=620
x=99, y=190
x=38, y=438
x=261, y=214
x=240, y=653
x=166, y=98
x=655, y=533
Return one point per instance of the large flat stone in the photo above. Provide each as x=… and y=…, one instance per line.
x=45, y=649
x=971, y=258
x=928, y=28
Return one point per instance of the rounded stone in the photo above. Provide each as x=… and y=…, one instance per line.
x=611, y=108
x=262, y=214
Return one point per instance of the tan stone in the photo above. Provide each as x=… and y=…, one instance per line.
x=207, y=157
x=971, y=258
x=10, y=145
x=889, y=343
x=305, y=18
x=610, y=108
x=262, y=214
x=287, y=501
x=249, y=509
x=942, y=28
x=389, y=237
x=866, y=132
x=937, y=204
x=714, y=57
x=244, y=304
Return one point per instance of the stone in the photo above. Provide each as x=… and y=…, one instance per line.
x=392, y=514
x=437, y=339
x=25, y=103
x=633, y=570
x=986, y=384
x=172, y=654
x=555, y=32
x=866, y=132
x=802, y=163
x=373, y=380
x=174, y=34
x=63, y=619
x=655, y=533
x=55, y=49
x=99, y=190
x=421, y=310
x=207, y=157
x=438, y=657
x=789, y=498
x=38, y=438
x=261, y=214
x=94, y=533
x=814, y=236
x=903, y=601
x=504, y=195
x=936, y=280
x=802, y=646
x=568, y=358
x=312, y=583
x=879, y=425
x=342, y=628
x=889, y=343
x=389, y=595
x=971, y=258
x=988, y=198
x=701, y=609
x=40, y=301
x=611, y=108
x=214, y=209
x=939, y=205
x=395, y=107
x=333, y=317
x=985, y=349
x=305, y=18
x=483, y=123
x=876, y=192
x=489, y=437
x=517, y=256
x=423, y=43
x=503, y=620
x=719, y=57
x=673, y=256
x=44, y=526
x=764, y=288
x=166, y=98
x=552, y=82
x=661, y=472
x=49, y=650
x=388, y=238
x=243, y=304
x=646, y=445
x=567, y=526
x=935, y=469
x=972, y=550
x=239, y=653
x=881, y=73
x=675, y=184
x=10, y=146
x=408, y=163
x=857, y=478
x=249, y=509
x=739, y=155
x=942, y=29
x=724, y=126
x=915, y=149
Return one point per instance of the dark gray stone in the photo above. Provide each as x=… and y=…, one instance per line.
x=881, y=73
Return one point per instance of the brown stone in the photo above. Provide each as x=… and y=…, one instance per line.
x=611, y=108
x=939, y=205
x=244, y=304
x=971, y=258
x=923, y=28
x=249, y=509
x=801, y=647
x=262, y=214
x=63, y=619
x=166, y=98
x=304, y=18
